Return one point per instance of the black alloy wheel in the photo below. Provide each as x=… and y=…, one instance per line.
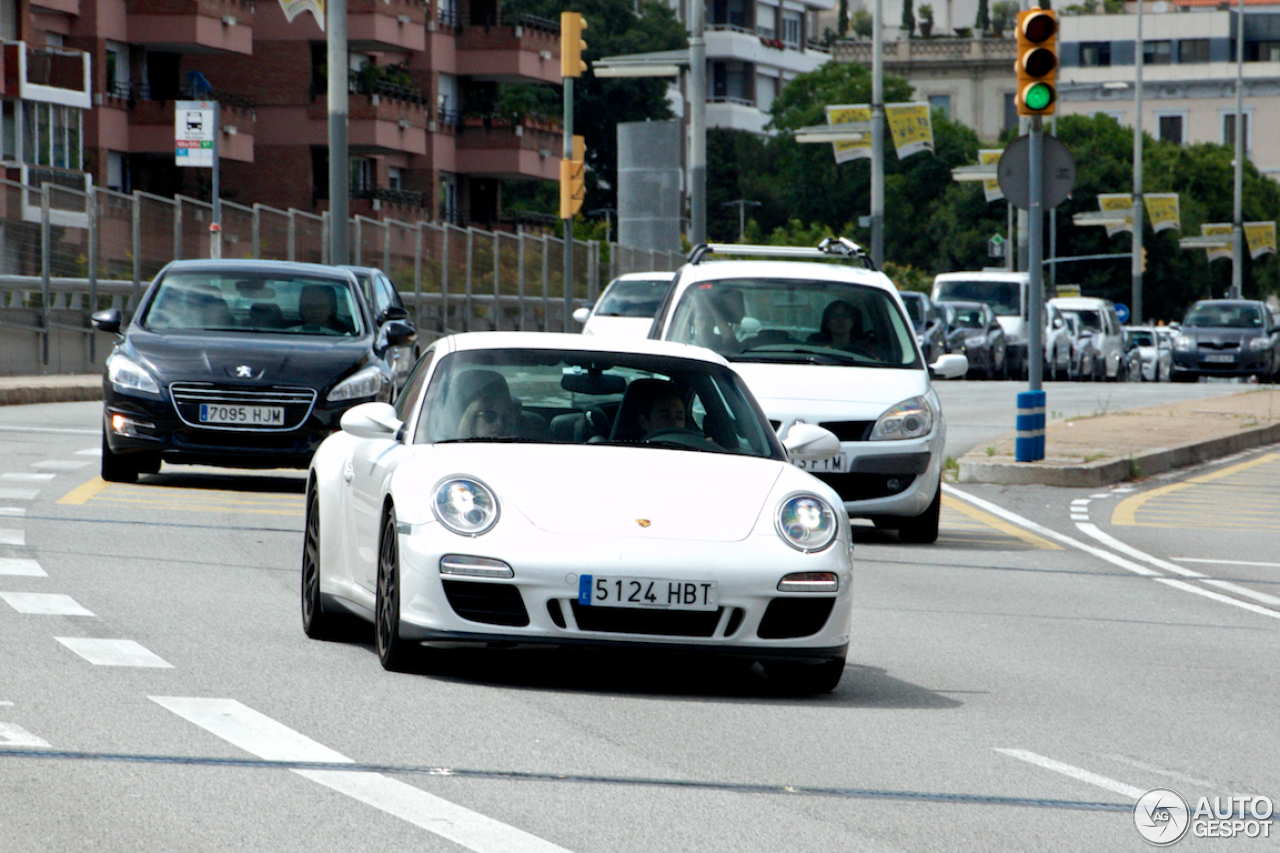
x=394, y=653
x=316, y=623
x=116, y=467
x=923, y=529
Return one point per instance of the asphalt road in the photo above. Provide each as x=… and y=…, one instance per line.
x=1015, y=686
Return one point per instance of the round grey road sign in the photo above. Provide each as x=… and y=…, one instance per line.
x=1058, y=168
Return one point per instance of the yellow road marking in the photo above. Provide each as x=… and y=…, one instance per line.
x=986, y=519
x=1125, y=513
x=81, y=494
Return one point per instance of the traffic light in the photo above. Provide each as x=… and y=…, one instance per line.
x=1144, y=259
x=571, y=44
x=1037, y=62
x=573, y=180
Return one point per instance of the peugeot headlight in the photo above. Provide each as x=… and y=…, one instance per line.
x=1184, y=343
x=909, y=419
x=363, y=383
x=465, y=506
x=807, y=523
x=127, y=375
x=1259, y=344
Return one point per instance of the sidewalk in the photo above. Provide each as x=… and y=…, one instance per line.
x=1082, y=452
x=1115, y=446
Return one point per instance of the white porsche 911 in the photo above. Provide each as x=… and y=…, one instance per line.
x=564, y=489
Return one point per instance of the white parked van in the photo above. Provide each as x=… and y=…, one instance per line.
x=1008, y=295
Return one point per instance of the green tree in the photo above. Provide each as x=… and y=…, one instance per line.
x=983, y=21
x=842, y=23
x=863, y=23
x=908, y=18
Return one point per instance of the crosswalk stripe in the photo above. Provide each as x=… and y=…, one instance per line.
x=266, y=738
x=44, y=604
x=21, y=567
x=114, y=652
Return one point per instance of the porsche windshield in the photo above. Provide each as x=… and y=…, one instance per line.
x=796, y=321
x=253, y=301
x=603, y=398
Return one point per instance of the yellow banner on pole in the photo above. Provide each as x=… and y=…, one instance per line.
x=843, y=114
x=1118, y=203
x=1214, y=229
x=911, y=127
x=1162, y=210
x=1261, y=237
x=991, y=157
x=294, y=8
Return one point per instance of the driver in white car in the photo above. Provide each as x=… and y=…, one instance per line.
x=664, y=410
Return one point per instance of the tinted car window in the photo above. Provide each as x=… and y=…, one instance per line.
x=1224, y=316
x=252, y=301
x=632, y=298
x=1002, y=296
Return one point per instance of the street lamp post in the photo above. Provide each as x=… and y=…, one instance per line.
x=1136, y=260
x=1237, y=220
x=877, y=136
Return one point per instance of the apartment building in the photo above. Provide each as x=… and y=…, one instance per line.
x=90, y=86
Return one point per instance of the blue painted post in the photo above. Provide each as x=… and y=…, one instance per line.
x=1029, y=446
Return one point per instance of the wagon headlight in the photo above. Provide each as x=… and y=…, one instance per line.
x=127, y=375
x=807, y=523
x=363, y=383
x=466, y=507
x=909, y=419
x=1184, y=343
x=1259, y=344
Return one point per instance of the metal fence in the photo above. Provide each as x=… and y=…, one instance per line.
x=66, y=253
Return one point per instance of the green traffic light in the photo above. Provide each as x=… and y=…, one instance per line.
x=1038, y=96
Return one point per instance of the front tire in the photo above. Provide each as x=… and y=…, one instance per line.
x=316, y=623
x=797, y=677
x=117, y=467
x=923, y=529
x=394, y=653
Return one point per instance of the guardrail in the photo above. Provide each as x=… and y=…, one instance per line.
x=67, y=253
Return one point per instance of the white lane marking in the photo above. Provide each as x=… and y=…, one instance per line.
x=45, y=604
x=1172, y=774
x=61, y=464
x=1079, y=517
x=18, y=494
x=27, y=478
x=90, y=451
x=15, y=735
x=262, y=736
x=1227, y=562
x=50, y=429
x=1107, y=555
x=1099, y=497
x=1074, y=772
x=1081, y=502
x=16, y=567
x=1245, y=591
x=114, y=652
x=12, y=537
x=13, y=511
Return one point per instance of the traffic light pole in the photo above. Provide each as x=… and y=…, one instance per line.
x=1035, y=252
x=568, y=223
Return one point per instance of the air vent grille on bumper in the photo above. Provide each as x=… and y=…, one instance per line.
x=628, y=620
x=490, y=603
x=787, y=618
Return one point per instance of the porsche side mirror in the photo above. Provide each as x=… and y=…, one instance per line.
x=371, y=420
x=810, y=442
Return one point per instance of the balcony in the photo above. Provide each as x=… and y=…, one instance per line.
x=521, y=49
x=386, y=116
x=151, y=122
x=387, y=203
x=51, y=74
x=192, y=26
x=379, y=25
x=498, y=147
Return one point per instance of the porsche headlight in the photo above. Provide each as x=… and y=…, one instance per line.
x=909, y=419
x=465, y=506
x=807, y=523
x=127, y=375
x=363, y=383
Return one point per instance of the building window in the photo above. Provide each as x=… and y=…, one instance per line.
x=364, y=175
x=730, y=13
x=792, y=28
x=449, y=199
x=1157, y=52
x=766, y=91
x=942, y=103
x=1229, y=130
x=9, y=20
x=448, y=15
x=447, y=99
x=1095, y=54
x=767, y=21
x=395, y=178
x=1170, y=128
x=117, y=77
x=1193, y=50
x=51, y=135
x=118, y=172
x=1261, y=51
x=731, y=83
x=9, y=133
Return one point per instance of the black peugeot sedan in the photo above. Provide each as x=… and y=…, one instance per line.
x=246, y=364
x=1227, y=337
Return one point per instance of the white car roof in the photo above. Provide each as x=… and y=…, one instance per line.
x=656, y=275
x=808, y=270
x=992, y=275
x=583, y=343
x=1069, y=302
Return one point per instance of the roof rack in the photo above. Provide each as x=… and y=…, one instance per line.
x=830, y=247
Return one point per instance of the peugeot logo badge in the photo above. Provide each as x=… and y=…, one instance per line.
x=244, y=371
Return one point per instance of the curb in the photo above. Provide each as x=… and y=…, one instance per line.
x=1106, y=472
x=51, y=390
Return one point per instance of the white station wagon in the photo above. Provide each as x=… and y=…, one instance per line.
x=828, y=344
